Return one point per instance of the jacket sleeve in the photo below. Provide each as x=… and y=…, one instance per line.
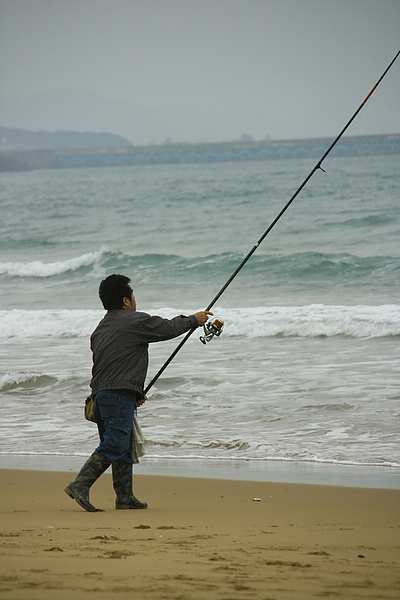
x=156, y=329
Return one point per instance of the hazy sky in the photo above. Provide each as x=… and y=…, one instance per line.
x=199, y=70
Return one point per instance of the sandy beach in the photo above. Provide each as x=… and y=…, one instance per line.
x=199, y=539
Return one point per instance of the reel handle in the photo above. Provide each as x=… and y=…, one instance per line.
x=211, y=329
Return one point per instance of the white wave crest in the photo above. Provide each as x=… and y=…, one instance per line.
x=55, y=323
x=315, y=320
x=40, y=269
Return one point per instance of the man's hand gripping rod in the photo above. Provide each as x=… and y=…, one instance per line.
x=274, y=222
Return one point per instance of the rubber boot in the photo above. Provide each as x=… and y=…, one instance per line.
x=91, y=470
x=122, y=482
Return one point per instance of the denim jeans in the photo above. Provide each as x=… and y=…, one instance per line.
x=114, y=411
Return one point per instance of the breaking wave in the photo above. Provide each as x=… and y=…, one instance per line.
x=314, y=320
x=41, y=269
x=261, y=268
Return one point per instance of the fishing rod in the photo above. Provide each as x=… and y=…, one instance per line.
x=215, y=327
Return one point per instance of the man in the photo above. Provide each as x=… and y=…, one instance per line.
x=119, y=346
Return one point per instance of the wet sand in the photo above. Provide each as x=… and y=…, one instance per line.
x=199, y=539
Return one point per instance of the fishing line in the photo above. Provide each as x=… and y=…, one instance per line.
x=317, y=167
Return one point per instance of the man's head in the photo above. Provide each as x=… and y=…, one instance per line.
x=115, y=292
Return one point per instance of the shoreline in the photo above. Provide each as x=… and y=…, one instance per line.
x=274, y=471
x=200, y=539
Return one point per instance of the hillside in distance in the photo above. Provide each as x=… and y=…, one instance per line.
x=23, y=139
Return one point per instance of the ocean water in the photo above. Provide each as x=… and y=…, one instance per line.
x=306, y=371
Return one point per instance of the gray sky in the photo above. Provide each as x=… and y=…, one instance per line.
x=199, y=70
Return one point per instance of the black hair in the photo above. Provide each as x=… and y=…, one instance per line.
x=112, y=291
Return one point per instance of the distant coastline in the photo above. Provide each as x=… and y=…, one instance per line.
x=181, y=153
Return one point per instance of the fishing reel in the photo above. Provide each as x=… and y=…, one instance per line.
x=212, y=328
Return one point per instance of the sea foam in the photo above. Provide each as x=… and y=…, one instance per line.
x=314, y=320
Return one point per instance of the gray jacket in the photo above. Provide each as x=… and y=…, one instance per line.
x=120, y=347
